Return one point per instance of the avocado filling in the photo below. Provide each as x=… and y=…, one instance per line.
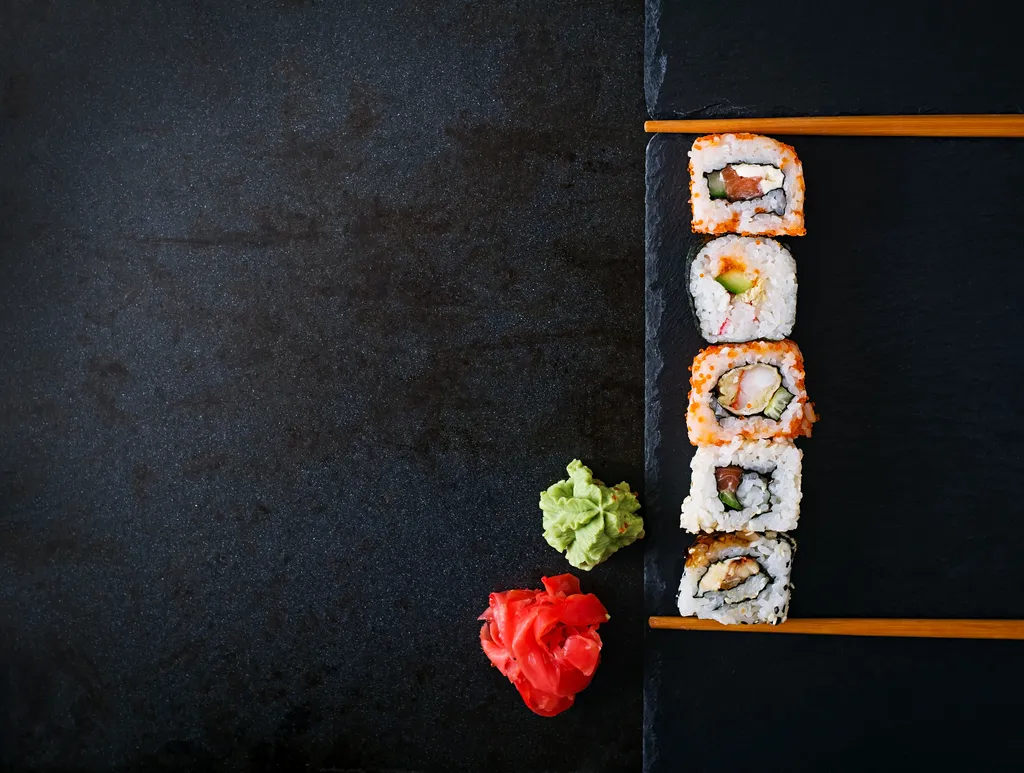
x=734, y=281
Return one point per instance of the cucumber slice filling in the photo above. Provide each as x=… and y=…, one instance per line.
x=730, y=500
x=778, y=403
x=716, y=185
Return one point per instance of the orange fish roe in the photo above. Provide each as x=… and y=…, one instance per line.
x=730, y=263
x=711, y=216
x=705, y=428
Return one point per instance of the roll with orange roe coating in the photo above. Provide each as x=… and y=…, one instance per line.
x=746, y=184
x=748, y=391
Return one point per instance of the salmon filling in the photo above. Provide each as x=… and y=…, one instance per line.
x=744, y=182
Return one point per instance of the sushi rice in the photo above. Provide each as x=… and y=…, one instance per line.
x=779, y=212
x=768, y=489
x=708, y=419
x=744, y=288
x=740, y=577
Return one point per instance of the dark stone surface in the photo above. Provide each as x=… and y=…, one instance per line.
x=909, y=483
x=814, y=57
x=302, y=305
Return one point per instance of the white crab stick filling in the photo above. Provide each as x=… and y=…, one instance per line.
x=771, y=177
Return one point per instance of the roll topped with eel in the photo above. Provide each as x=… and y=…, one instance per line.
x=740, y=577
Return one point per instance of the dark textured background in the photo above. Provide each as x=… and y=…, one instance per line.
x=816, y=57
x=909, y=481
x=302, y=304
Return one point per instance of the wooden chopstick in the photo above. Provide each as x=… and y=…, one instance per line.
x=856, y=125
x=923, y=629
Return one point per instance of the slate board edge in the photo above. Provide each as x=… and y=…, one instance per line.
x=652, y=36
x=653, y=364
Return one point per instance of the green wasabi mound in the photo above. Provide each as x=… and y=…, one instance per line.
x=587, y=519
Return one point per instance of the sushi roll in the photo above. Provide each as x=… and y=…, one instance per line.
x=743, y=287
x=738, y=578
x=752, y=391
x=746, y=184
x=744, y=486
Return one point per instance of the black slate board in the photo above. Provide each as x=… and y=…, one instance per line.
x=707, y=60
x=908, y=315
